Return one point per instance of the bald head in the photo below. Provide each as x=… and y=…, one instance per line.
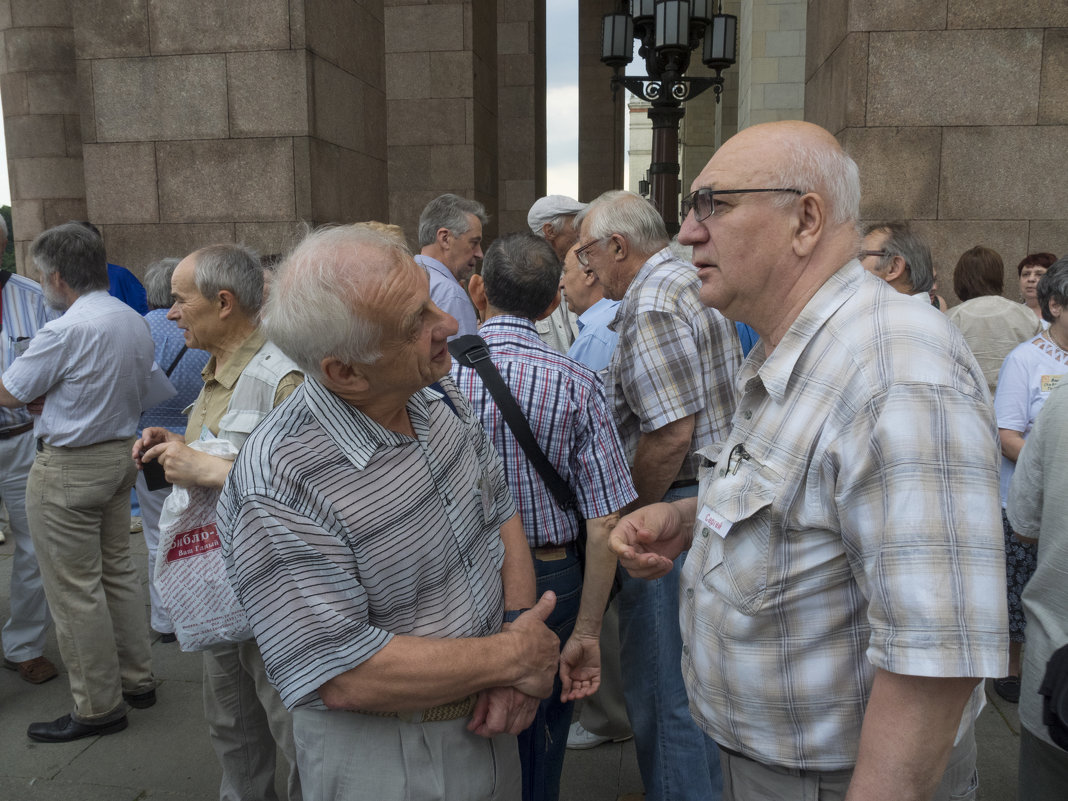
x=779, y=204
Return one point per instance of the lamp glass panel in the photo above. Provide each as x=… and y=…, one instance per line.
x=617, y=39
x=720, y=40
x=673, y=23
x=642, y=8
x=701, y=10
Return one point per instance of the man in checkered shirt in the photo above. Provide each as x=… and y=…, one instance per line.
x=843, y=590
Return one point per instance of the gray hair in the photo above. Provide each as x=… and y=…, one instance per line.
x=448, y=211
x=1053, y=286
x=902, y=241
x=236, y=269
x=76, y=253
x=621, y=212
x=315, y=308
x=557, y=223
x=810, y=167
x=5, y=231
x=158, y=283
x=521, y=274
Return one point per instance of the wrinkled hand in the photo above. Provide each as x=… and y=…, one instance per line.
x=647, y=540
x=537, y=648
x=580, y=667
x=502, y=710
x=186, y=467
x=150, y=438
x=36, y=406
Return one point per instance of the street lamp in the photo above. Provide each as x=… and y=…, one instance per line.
x=669, y=31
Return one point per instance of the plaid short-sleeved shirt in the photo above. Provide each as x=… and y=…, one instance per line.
x=675, y=357
x=850, y=522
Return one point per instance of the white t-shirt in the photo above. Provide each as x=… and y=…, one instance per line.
x=1030, y=372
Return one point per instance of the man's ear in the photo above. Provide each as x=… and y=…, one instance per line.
x=227, y=303
x=443, y=237
x=618, y=247
x=548, y=232
x=896, y=269
x=811, y=220
x=589, y=277
x=339, y=375
x=476, y=288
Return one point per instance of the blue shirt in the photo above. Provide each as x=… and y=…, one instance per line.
x=23, y=312
x=186, y=377
x=595, y=342
x=747, y=337
x=449, y=296
x=125, y=286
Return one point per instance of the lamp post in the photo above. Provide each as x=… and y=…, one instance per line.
x=669, y=31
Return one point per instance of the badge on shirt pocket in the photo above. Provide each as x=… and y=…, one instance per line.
x=734, y=508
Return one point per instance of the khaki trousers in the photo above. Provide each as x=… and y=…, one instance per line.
x=78, y=505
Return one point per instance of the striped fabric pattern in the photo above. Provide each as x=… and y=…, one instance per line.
x=24, y=313
x=565, y=405
x=339, y=533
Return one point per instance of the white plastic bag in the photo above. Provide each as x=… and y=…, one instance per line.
x=190, y=572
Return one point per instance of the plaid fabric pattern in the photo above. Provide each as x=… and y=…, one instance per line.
x=851, y=521
x=675, y=357
x=565, y=405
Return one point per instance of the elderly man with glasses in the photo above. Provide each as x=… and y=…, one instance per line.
x=670, y=387
x=897, y=254
x=842, y=592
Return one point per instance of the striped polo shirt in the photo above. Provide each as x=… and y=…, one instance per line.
x=23, y=312
x=339, y=533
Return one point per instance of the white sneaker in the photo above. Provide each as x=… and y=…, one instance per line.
x=579, y=738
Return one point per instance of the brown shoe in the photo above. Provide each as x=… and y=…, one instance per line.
x=35, y=671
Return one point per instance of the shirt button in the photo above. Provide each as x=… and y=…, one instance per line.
x=689, y=592
x=686, y=650
x=748, y=415
x=705, y=531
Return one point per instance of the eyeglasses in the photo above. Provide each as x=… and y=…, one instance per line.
x=701, y=201
x=880, y=254
x=584, y=257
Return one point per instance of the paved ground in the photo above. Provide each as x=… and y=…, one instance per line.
x=164, y=755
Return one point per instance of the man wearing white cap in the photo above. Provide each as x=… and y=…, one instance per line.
x=553, y=218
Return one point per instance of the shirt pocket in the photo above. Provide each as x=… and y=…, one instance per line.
x=739, y=565
x=238, y=424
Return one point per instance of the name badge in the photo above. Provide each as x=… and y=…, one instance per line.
x=1051, y=382
x=714, y=521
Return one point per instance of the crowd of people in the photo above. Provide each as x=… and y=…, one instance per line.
x=740, y=494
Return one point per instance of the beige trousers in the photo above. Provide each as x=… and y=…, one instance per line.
x=78, y=505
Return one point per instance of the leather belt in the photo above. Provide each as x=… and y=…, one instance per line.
x=8, y=433
x=454, y=710
x=553, y=553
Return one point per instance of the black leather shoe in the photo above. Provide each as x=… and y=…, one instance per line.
x=140, y=700
x=65, y=729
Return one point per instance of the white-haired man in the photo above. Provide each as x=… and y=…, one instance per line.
x=553, y=219
x=217, y=294
x=844, y=585
x=671, y=389
x=372, y=540
x=450, y=242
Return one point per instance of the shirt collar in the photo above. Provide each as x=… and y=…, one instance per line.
x=511, y=324
x=357, y=435
x=430, y=263
x=604, y=308
x=776, y=370
x=228, y=374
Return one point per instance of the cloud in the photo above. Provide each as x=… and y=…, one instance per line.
x=561, y=178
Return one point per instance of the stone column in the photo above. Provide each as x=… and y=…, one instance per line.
x=601, y=117
x=957, y=114
x=520, y=109
x=40, y=98
x=441, y=100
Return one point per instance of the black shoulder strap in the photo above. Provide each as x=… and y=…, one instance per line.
x=470, y=350
x=177, y=359
x=4, y=276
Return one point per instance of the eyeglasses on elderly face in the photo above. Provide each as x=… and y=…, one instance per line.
x=582, y=253
x=878, y=254
x=702, y=201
